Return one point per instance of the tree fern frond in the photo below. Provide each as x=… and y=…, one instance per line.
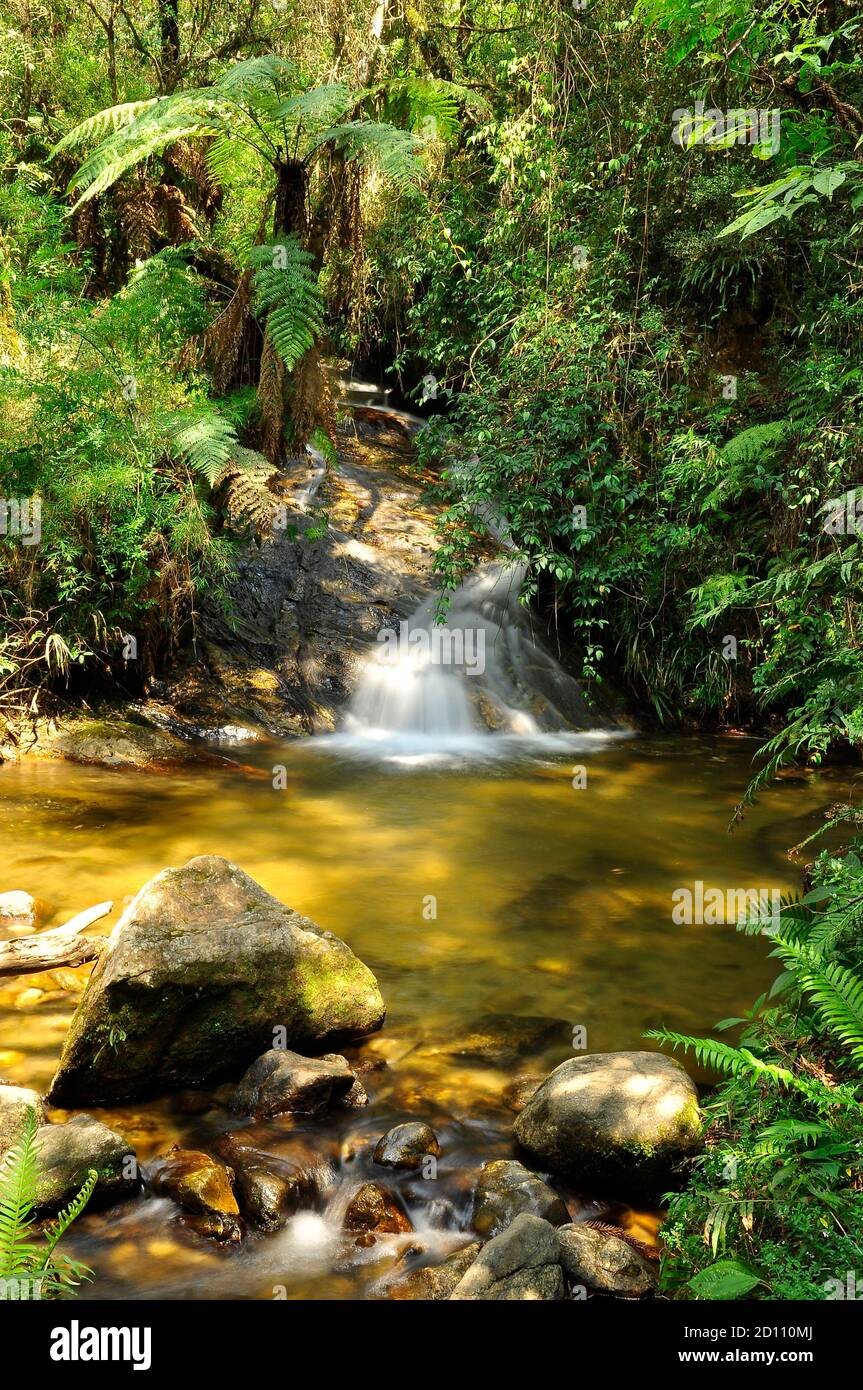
x=377, y=146
x=254, y=73
x=204, y=438
x=287, y=288
x=104, y=123
x=170, y=119
x=318, y=108
x=751, y=443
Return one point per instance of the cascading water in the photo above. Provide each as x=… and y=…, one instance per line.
x=475, y=684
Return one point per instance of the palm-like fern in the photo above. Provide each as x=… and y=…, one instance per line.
x=258, y=104
x=28, y=1269
x=207, y=441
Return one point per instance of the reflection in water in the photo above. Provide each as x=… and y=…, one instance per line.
x=494, y=887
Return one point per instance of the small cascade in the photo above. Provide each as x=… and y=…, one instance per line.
x=475, y=684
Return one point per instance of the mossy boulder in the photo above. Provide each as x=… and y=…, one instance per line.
x=67, y=1152
x=16, y=1102
x=612, y=1118
x=198, y=975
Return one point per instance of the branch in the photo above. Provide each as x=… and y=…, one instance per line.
x=62, y=946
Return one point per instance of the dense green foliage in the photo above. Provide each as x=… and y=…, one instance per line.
x=774, y=1207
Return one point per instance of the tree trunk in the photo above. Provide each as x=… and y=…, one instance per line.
x=290, y=209
x=169, y=39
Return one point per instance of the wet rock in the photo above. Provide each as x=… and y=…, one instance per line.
x=67, y=1152
x=270, y=1187
x=437, y=1281
x=17, y=909
x=267, y=1199
x=281, y=1081
x=16, y=1102
x=502, y=1039
x=374, y=1208
x=506, y=1188
x=604, y=1263
x=611, y=1117
x=114, y=743
x=202, y=1186
x=523, y=1262
x=197, y=973
x=517, y=1094
x=406, y=1146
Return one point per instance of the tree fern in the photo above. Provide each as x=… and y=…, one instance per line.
x=287, y=288
x=101, y=125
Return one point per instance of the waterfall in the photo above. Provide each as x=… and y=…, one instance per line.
x=479, y=683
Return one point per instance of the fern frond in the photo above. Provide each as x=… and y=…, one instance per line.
x=104, y=123
x=836, y=991
x=54, y=1232
x=254, y=73
x=287, y=288
x=168, y=120
x=18, y=1189
x=722, y=1057
x=204, y=438
x=379, y=147
x=751, y=443
x=318, y=108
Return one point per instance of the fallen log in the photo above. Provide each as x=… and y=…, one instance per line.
x=27, y=955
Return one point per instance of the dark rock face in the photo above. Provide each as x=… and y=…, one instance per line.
x=406, y=1146
x=611, y=1117
x=522, y=1263
x=202, y=1186
x=67, y=1152
x=282, y=1081
x=374, y=1208
x=197, y=974
x=506, y=1188
x=604, y=1263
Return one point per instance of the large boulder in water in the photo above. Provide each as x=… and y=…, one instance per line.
x=200, y=970
x=612, y=1117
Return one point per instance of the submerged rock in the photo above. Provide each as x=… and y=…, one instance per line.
x=17, y=909
x=198, y=972
x=523, y=1262
x=502, y=1039
x=282, y=1081
x=202, y=1186
x=374, y=1208
x=16, y=1102
x=604, y=1263
x=67, y=1152
x=437, y=1281
x=406, y=1146
x=506, y=1188
x=517, y=1094
x=613, y=1116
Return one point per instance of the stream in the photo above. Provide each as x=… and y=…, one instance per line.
x=470, y=886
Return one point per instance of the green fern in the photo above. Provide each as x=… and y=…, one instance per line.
x=377, y=147
x=836, y=991
x=286, y=287
x=734, y=1061
x=18, y=1186
x=30, y=1270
